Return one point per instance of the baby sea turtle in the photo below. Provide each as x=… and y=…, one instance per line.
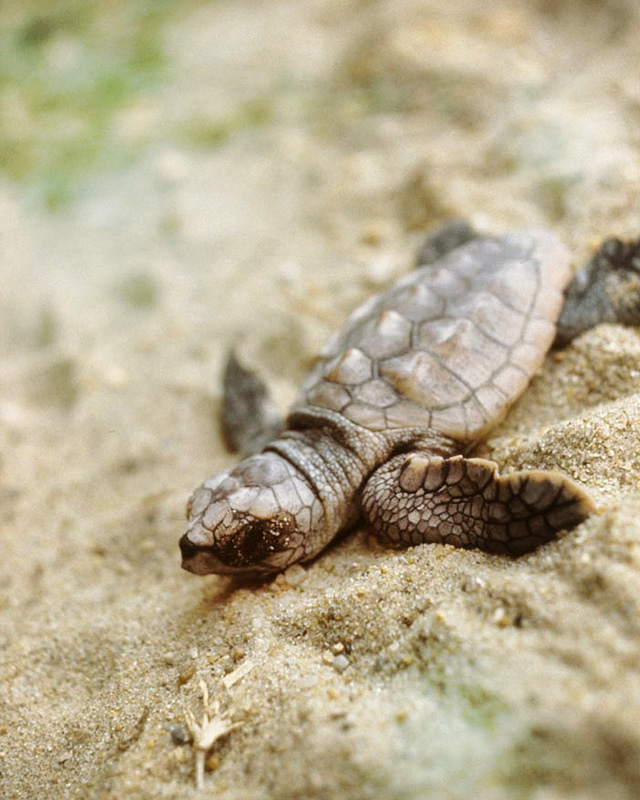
x=399, y=398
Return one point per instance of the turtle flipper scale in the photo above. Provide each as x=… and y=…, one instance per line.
x=415, y=499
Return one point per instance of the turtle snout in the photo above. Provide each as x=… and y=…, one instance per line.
x=195, y=558
x=188, y=550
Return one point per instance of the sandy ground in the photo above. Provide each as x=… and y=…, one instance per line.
x=432, y=673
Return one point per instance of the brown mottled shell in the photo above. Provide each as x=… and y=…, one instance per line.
x=452, y=344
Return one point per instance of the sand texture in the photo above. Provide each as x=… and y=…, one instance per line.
x=283, y=169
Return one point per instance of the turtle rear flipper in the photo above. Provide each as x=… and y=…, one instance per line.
x=414, y=499
x=607, y=289
x=445, y=239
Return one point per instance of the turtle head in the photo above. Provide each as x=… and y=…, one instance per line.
x=252, y=520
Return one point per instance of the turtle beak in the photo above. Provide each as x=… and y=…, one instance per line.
x=198, y=560
x=201, y=560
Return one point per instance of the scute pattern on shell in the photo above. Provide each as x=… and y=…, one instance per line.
x=451, y=345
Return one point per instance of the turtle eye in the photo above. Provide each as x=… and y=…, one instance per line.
x=259, y=539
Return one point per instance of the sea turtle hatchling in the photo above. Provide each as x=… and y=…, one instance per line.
x=398, y=399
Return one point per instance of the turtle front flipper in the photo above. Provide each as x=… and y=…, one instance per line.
x=414, y=499
x=248, y=416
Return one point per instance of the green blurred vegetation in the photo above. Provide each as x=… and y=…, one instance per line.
x=81, y=82
x=70, y=72
x=206, y=132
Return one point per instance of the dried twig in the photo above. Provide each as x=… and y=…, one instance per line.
x=215, y=723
